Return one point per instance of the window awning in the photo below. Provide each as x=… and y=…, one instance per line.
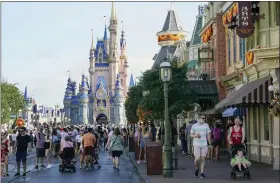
x=252, y=92
x=233, y=111
x=205, y=89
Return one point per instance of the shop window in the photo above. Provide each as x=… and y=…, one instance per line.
x=255, y=123
x=234, y=46
x=228, y=47
x=242, y=50
x=265, y=123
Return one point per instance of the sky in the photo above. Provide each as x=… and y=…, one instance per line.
x=41, y=41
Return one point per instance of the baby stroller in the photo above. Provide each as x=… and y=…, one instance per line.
x=235, y=170
x=68, y=160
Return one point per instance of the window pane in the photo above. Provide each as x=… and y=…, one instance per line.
x=255, y=123
x=266, y=123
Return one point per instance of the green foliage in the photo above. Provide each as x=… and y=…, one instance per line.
x=12, y=100
x=180, y=97
x=132, y=102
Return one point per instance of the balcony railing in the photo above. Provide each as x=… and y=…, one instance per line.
x=201, y=74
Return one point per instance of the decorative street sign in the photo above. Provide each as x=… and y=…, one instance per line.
x=246, y=26
x=205, y=54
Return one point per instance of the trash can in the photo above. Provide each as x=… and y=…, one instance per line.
x=131, y=144
x=137, y=151
x=154, y=158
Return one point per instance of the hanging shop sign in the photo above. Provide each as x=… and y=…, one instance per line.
x=205, y=54
x=245, y=26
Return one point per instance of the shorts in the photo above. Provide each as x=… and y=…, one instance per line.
x=142, y=144
x=217, y=142
x=78, y=145
x=21, y=156
x=200, y=151
x=88, y=151
x=116, y=153
x=40, y=152
x=47, y=145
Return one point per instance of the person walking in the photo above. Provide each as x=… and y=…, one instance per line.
x=140, y=143
x=4, y=154
x=48, y=146
x=22, y=145
x=217, y=141
x=200, y=132
x=116, y=145
x=182, y=136
x=40, y=147
x=236, y=134
x=147, y=137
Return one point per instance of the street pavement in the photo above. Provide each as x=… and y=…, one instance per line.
x=216, y=172
x=106, y=174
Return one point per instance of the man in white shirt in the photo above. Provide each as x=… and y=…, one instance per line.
x=200, y=132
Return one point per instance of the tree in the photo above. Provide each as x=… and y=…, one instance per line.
x=132, y=103
x=12, y=100
x=180, y=97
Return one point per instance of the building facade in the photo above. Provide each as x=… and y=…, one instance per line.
x=172, y=40
x=252, y=66
x=100, y=97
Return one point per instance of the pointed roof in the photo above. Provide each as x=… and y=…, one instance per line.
x=122, y=40
x=171, y=22
x=164, y=50
x=25, y=93
x=113, y=13
x=105, y=37
x=84, y=82
x=196, y=39
x=118, y=82
x=131, y=82
x=92, y=42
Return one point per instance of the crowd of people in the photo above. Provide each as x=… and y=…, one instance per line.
x=50, y=140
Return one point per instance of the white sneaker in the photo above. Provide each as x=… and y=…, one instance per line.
x=49, y=166
x=138, y=162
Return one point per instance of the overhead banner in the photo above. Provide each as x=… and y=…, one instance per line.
x=245, y=26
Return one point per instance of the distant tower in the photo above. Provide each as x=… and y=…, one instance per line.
x=171, y=33
x=67, y=100
x=131, y=81
x=84, y=99
x=113, y=46
x=118, y=104
x=26, y=113
x=123, y=63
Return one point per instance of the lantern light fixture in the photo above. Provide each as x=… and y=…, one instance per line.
x=165, y=71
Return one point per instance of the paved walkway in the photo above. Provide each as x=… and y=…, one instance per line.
x=216, y=172
x=106, y=174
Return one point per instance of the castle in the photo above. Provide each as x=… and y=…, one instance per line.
x=101, y=96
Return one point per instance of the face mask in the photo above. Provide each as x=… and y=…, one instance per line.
x=201, y=121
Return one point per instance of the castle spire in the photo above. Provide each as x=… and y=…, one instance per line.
x=25, y=93
x=105, y=38
x=113, y=13
x=131, y=82
x=92, y=42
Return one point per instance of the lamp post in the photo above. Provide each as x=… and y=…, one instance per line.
x=165, y=75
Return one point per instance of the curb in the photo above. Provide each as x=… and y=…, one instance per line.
x=142, y=179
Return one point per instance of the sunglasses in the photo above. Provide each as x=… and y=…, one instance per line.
x=202, y=118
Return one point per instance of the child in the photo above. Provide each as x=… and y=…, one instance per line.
x=239, y=160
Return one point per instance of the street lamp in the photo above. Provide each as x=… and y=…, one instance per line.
x=165, y=75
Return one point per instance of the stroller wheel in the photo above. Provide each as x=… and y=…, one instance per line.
x=99, y=166
x=74, y=169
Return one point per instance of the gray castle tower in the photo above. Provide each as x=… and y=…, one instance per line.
x=118, y=104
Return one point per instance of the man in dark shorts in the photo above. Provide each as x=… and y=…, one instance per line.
x=40, y=147
x=22, y=143
x=88, y=146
